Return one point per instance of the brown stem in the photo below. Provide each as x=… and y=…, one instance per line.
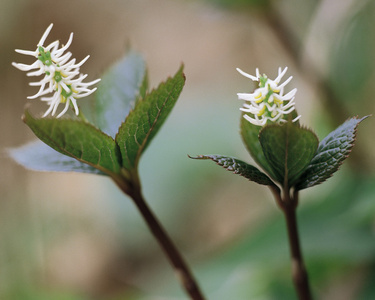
x=299, y=272
x=183, y=272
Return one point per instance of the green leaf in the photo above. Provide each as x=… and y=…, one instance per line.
x=118, y=92
x=250, y=137
x=288, y=149
x=145, y=120
x=331, y=153
x=239, y=167
x=38, y=156
x=79, y=140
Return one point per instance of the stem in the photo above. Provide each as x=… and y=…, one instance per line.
x=183, y=272
x=299, y=273
x=82, y=117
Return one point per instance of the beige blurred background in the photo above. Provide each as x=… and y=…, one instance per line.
x=75, y=233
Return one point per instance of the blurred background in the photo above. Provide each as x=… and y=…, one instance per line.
x=75, y=236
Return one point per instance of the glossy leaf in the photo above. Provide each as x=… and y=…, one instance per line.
x=288, y=149
x=79, y=140
x=38, y=156
x=250, y=137
x=120, y=88
x=239, y=167
x=145, y=120
x=331, y=153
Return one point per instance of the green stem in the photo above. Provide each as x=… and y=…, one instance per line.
x=182, y=271
x=80, y=114
x=82, y=117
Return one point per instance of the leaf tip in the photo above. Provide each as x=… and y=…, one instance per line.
x=363, y=118
x=197, y=157
x=181, y=70
x=26, y=116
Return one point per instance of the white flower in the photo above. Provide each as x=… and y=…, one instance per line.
x=59, y=75
x=268, y=102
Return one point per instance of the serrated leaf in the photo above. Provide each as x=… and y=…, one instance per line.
x=288, y=149
x=120, y=88
x=38, y=156
x=239, y=167
x=331, y=153
x=250, y=137
x=79, y=140
x=142, y=89
x=145, y=120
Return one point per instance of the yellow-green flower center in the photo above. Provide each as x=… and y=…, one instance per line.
x=44, y=56
x=65, y=95
x=264, y=111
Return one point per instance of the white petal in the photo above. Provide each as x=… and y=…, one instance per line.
x=64, y=110
x=63, y=59
x=24, y=67
x=36, y=73
x=39, y=93
x=82, y=61
x=253, y=121
x=86, y=94
x=61, y=50
x=56, y=104
x=285, y=112
x=278, y=78
x=291, y=94
x=271, y=108
x=48, y=110
x=74, y=102
x=52, y=47
x=257, y=73
x=45, y=34
x=285, y=82
x=64, y=86
x=253, y=78
x=290, y=104
x=250, y=110
x=92, y=82
x=27, y=52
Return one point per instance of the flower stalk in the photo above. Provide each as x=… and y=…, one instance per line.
x=182, y=271
x=269, y=105
x=288, y=205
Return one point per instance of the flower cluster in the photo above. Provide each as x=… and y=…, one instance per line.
x=61, y=75
x=268, y=102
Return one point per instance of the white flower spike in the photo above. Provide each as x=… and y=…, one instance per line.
x=60, y=75
x=268, y=102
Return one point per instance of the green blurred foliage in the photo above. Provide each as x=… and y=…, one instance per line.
x=336, y=218
x=352, y=59
x=337, y=237
x=241, y=3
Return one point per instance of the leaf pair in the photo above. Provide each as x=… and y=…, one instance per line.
x=290, y=154
x=127, y=115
